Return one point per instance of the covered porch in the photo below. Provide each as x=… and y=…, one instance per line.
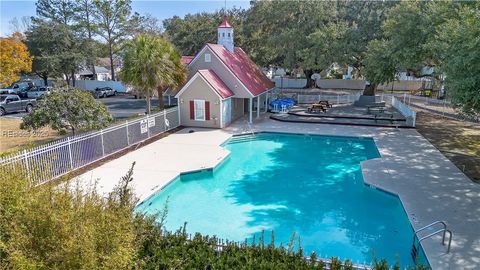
x=254, y=106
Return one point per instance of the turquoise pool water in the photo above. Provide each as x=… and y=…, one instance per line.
x=310, y=185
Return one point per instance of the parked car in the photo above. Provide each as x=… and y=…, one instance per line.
x=104, y=92
x=39, y=92
x=18, y=88
x=13, y=103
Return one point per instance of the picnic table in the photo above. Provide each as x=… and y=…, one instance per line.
x=316, y=108
x=326, y=103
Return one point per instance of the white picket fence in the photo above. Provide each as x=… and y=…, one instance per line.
x=60, y=157
x=332, y=99
x=406, y=111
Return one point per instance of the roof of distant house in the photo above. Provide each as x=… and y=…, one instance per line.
x=243, y=68
x=98, y=70
x=217, y=84
x=105, y=61
x=225, y=23
x=186, y=59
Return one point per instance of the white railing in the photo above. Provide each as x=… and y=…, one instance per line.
x=406, y=111
x=47, y=162
x=333, y=99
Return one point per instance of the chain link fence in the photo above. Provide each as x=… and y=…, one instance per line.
x=60, y=157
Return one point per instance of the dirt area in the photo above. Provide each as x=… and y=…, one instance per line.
x=458, y=141
x=12, y=138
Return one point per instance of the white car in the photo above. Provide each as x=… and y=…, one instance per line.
x=39, y=92
x=104, y=92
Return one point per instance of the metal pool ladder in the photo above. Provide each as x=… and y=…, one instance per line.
x=443, y=230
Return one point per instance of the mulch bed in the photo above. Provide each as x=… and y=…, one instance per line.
x=459, y=141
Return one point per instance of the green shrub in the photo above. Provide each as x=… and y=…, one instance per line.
x=65, y=227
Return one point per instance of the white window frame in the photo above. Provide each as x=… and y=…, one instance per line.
x=208, y=58
x=195, y=109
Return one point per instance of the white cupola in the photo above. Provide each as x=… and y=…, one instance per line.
x=225, y=35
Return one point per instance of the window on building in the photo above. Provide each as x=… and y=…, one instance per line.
x=223, y=34
x=199, y=108
x=208, y=57
x=228, y=34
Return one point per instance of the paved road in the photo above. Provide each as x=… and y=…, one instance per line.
x=121, y=106
x=126, y=106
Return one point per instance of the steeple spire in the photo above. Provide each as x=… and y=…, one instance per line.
x=225, y=34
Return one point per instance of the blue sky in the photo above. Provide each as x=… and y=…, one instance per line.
x=161, y=9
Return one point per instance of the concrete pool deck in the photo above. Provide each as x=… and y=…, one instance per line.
x=430, y=187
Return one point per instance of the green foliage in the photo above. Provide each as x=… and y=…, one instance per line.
x=152, y=64
x=459, y=44
x=65, y=227
x=443, y=35
x=112, y=19
x=364, y=21
x=54, y=47
x=191, y=33
x=379, y=68
x=73, y=110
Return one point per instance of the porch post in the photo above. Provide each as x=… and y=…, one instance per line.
x=266, y=102
x=250, y=108
x=258, y=106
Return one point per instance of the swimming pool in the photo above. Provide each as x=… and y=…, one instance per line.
x=307, y=184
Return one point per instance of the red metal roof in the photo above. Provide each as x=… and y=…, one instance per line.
x=224, y=23
x=244, y=68
x=217, y=84
x=186, y=59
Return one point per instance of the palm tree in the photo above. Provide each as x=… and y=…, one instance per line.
x=150, y=64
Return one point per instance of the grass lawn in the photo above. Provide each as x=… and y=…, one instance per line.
x=458, y=141
x=12, y=138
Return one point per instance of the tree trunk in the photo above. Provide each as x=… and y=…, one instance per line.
x=67, y=79
x=110, y=52
x=370, y=89
x=148, y=98
x=45, y=79
x=161, y=104
x=73, y=78
x=308, y=74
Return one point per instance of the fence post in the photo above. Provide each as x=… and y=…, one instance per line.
x=404, y=97
x=338, y=99
x=103, y=146
x=165, y=119
x=27, y=165
x=148, y=127
x=126, y=128
x=444, y=101
x=70, y=152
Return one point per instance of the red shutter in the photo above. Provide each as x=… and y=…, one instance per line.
x=207, y=110
x=192, y=110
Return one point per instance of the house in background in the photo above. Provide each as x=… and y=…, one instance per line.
x=101, y=74
x=105, y=63
x=223, y=84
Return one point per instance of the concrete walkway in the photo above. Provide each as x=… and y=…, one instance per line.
x=162, y=161
x=430, y=187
